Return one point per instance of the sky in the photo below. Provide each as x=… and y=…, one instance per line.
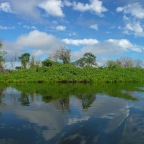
x=110, y=29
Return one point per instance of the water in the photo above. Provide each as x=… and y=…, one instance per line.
x=72, y=114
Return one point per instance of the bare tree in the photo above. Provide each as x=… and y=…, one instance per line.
x=2, y=53
x=62, y=54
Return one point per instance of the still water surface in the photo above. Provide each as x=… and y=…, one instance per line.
x=72, y=114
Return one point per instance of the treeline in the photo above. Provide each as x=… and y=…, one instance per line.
x=59, y=68
x=62, y=56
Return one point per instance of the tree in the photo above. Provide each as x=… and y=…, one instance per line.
x=32, y=62
x=48, y=63
x=88, y=59
x=125, y=62
x=63, y=54
x=24, y=58
x=80, y=62
x=2, y=53
x=113, y=64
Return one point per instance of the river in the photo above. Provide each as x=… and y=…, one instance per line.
x=72, y=114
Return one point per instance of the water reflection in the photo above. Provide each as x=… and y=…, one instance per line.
x=24, y=99
x=70, y=114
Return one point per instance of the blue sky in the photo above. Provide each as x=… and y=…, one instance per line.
x=110, y=29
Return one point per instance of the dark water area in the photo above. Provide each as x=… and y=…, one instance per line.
x=72, y=114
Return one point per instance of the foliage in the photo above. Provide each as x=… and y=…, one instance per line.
x=18, y=67
x=125, y=62
x=113, y=64
x=85, y=92
x=68, y=73
x=49, y=63
x=80, y=62
x=88, y=59
x=24, y=58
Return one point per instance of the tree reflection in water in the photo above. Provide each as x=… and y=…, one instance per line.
x=24, y=99
x=75, y=113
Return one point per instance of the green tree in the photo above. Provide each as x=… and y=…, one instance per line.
x=63, y=54
x=88, y=59
x=49, y=63
x=80, y=62
x=113, y=64
x=24, y=58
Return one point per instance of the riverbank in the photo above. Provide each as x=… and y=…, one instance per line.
x=72, y=74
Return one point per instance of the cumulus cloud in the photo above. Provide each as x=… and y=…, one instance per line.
x=39, y=43
x=5, y=7
x=35, y=39
x=109, y=47
x=125, y=45
x=60, y=28
x=42, y=44
x=133, y=16
x=31, y=8
x=80, y=41
x=134, y=28
x=135, y=10
x=26, y=8
x=53, y=7
x=94, y=26
x=67, y=3
x=94, y=6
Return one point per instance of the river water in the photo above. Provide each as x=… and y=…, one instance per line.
x=72, y=114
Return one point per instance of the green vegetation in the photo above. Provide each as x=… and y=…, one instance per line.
x=24, y=58
x=82, y=91
x=59, y=94
x=58, y=68
x=71, y=73
x=88, y=59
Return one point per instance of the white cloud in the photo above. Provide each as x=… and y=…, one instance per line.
x=109, y=47
x=67, y=3
x=125, y=45
x=133, y=16
x=94, y=6
x=26, y=8
x=5, y=7
x=29, y=27
x=6, y=27
x=38, y=41
x=53, y=7
x=80, y=42
x=135, y=28
x=60, y=28
x=135, y=10
x=94, y=26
